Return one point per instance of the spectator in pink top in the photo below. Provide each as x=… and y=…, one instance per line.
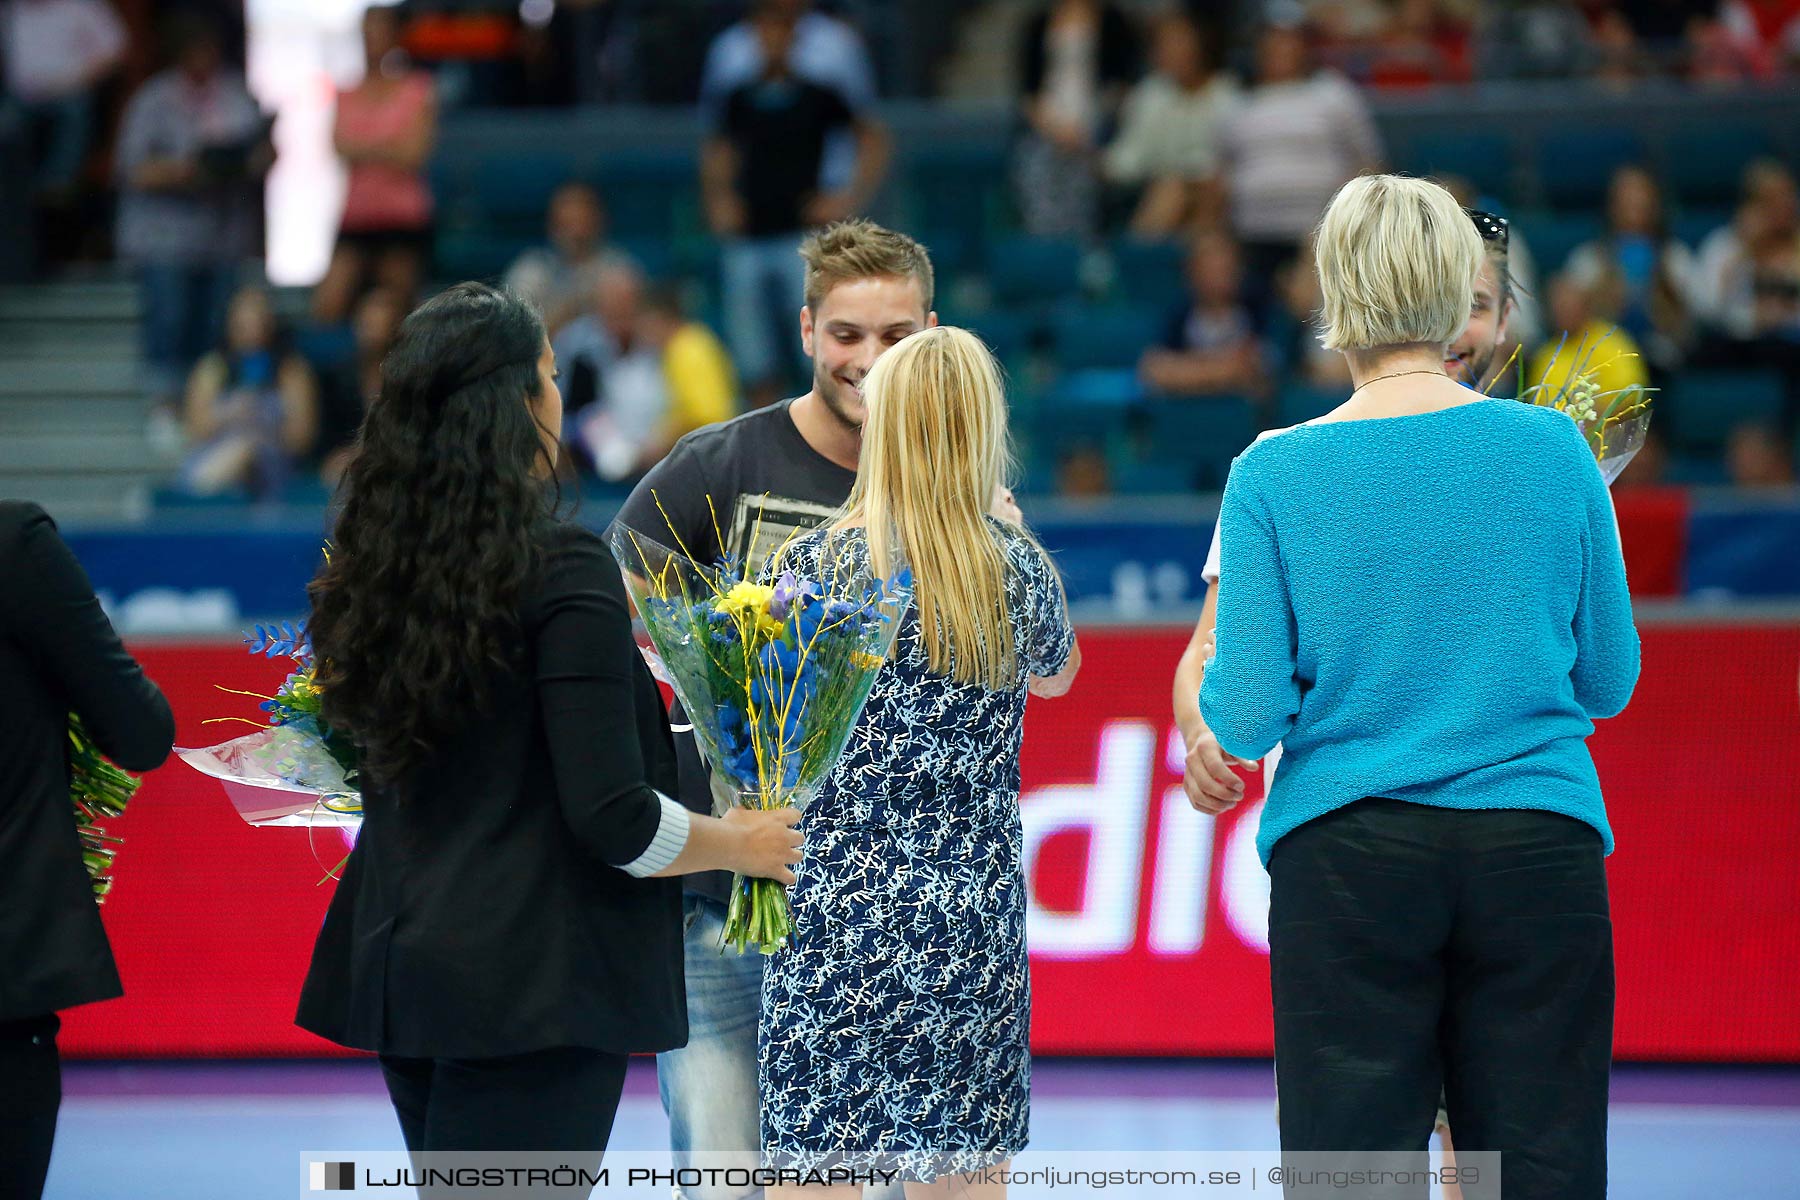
x=385, y=128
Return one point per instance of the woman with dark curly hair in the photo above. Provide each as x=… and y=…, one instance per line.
x=505, y=932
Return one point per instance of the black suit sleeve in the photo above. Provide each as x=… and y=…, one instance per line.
x=587, y=665
x=55, y=617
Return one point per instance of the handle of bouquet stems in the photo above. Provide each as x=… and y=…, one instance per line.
x=747, y=916
x=756, y=916
x=734, y=916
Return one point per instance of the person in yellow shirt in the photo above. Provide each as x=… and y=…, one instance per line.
x=701, y=383
x=1608, y=351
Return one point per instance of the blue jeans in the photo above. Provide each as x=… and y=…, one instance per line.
x=64, y=130
x=184, y=317
x=709, y=1086
x=762, y=286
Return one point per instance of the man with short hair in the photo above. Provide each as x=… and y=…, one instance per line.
x=759, y=175
x=614, y=399
x=742, y=488
x=192, y=148
x=825, y=50
x=1472, y=356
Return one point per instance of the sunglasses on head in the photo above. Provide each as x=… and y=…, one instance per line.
x=1492, y=229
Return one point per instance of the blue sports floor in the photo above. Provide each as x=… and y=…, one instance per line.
x=234, y=1131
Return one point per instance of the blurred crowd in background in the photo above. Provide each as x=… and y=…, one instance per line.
x=1146, y=277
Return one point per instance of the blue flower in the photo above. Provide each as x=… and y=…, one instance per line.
x=808, y=622
x=733, y=728
x=741, y=766
x=735, y=747
x=724, y=628
x=287, y=639
x=777, y=674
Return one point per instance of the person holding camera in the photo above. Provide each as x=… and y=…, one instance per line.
x=192, y=150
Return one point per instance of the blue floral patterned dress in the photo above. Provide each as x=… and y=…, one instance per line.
x=895, y=1022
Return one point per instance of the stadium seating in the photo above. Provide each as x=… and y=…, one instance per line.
x=1084, y=336
x=1702, y=406
x=1575, y=165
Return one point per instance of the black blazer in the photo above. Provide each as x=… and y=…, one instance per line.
x=483, y=914
x=58, y=655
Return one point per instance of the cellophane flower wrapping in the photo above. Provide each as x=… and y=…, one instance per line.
x=1615, y=422
x=773, y=671
x=296, y=770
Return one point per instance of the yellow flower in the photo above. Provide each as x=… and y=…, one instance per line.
x=745, y=596
x=747, y=602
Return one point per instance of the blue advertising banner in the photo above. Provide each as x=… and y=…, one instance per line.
x=1127, y=560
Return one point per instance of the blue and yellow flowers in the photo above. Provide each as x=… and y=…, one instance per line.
x=295, y=770
x=773, y=676
x=296, y=703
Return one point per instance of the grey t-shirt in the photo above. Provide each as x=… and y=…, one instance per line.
x=765, y=483
x=170, y=117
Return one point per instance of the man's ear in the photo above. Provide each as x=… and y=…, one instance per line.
x=931, y=320
x=806, y=329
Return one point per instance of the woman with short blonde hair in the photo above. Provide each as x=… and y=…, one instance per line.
x=1397, y=260
x=1431, y=648
x=895, y=1022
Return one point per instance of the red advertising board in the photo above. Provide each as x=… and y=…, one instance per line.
x=1147, y=920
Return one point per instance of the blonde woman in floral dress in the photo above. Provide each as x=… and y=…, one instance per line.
x=895, y=1023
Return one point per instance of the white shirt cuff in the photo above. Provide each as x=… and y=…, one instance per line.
x=671, y=836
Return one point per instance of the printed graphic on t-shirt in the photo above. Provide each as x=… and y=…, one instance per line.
x=763, y=523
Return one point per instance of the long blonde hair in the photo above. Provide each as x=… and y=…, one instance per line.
x=934, y=448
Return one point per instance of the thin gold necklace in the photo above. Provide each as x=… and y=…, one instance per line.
x=1396, y=375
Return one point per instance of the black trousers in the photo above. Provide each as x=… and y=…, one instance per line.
x=1412, y=947
x=30, y=1094
x=561, y=1100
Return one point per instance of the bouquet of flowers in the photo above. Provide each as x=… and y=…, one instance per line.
x=1615, y=421
x=773, y=673
x=99, y=790
x=295, y=770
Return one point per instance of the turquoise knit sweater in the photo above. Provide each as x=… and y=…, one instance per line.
x=1430, y=608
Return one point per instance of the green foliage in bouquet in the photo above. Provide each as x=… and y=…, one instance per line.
x=99, y=791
